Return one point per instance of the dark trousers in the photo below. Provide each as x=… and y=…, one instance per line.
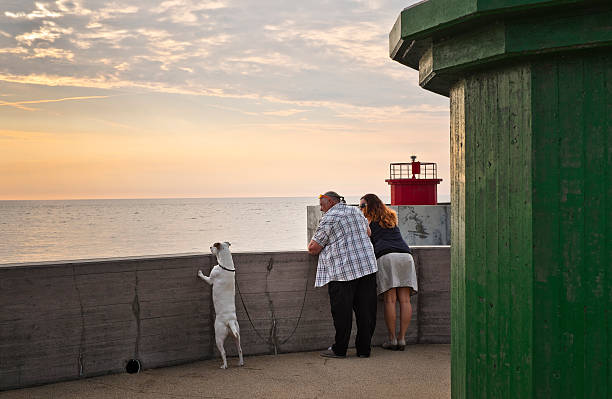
x=358, y=295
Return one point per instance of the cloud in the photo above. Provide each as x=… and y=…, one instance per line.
x=111, y=10
x=285, y=112
x=113, y=82
x=168, y=5
x=56, y=53
x=317, y=60
x=21, y=104
x=41, y=11
x=103, y=33
x=216, y=39
x=13, y=50
x=81, y=44
x=122, y=67
x=24, y=135
x=372, y=4
x=73, y=7
x=169, y=47
x=49, y=32
x=363, y=41
x=16, y=105
x=375, y=114
x=185, y=12
x=370, y=114
x=153, y=34
x=251, y=63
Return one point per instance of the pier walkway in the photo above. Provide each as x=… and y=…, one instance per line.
x=421, y=371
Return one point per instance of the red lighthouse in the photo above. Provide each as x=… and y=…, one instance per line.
x=413, y=183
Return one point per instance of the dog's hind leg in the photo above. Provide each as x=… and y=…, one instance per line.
x=241, y=360
x=220, y=334
x=233, y=325
x=222, y=351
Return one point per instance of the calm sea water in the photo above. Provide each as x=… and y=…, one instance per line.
x=81, y=229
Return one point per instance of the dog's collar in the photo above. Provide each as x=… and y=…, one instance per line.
x=225, y=268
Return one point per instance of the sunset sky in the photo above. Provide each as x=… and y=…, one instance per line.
x=189, y=98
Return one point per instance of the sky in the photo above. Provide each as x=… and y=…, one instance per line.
x=191, y=98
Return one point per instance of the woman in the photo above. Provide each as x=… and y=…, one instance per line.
x=396, y=276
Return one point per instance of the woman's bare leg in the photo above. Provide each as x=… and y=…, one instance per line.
x=403, y=294
x=390, y=315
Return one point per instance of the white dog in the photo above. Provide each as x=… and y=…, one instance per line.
x=222, y=279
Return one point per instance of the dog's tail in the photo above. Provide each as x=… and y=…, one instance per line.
x=234, y=328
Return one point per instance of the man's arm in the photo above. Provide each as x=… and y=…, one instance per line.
x=321, y=236
x=314, y=248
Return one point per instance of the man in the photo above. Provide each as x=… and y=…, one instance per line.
x=348, y=265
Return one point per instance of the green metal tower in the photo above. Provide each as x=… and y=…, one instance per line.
x=530, y=87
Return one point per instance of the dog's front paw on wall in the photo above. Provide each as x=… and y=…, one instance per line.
x=200, y=274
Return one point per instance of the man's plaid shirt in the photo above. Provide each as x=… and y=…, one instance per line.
x=347, y=250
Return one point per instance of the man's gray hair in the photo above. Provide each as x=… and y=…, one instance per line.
x=335, y=195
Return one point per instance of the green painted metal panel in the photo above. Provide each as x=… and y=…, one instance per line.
x=518, y=276
x=572, y=140
x=489, y=172
x=571, y=224
x=566, y=30
x=546, y=212
x=531, y=230
x=494, y=259
x=607, y=176
x=595, y=265
x=498, y=4
x=470, y=49
x=458, y=237
x=501, y=379
x=425, y=17
x=473, y=259
x=511, y=39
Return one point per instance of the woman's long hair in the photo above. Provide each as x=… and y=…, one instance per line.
x=376, y=211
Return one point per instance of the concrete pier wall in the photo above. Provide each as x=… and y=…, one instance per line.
x=74, y=319
x=419, y=224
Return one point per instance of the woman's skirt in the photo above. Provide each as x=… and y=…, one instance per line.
x=396, y=270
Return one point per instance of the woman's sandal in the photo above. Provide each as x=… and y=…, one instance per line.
x=390, y=345
x=401, y=344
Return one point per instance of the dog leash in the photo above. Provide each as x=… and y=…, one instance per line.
x=300, y=316
x=267, y=341
x=247, y=312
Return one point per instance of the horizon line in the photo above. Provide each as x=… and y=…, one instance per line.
x=315, y=196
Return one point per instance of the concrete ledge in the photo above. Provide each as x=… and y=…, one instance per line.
x=75, y=319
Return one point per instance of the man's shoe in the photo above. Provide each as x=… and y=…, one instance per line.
x=363, y=355
x=332, y=354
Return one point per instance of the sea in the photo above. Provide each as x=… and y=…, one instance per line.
x=54, y=230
